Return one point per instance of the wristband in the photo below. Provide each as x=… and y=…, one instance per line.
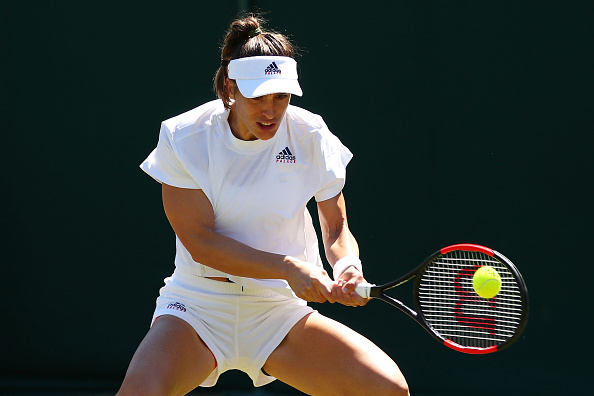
x=346, y=262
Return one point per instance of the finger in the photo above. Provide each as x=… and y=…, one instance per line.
x=314, y=297
x=357, y=300
x=320, y=291
x=337, y=290
x=352, y=299
x=325, y=292
x=349, y=287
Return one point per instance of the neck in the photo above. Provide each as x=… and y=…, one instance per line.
x=238, y=129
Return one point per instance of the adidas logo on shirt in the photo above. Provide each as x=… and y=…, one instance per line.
x=272, y=69
x=286, y=157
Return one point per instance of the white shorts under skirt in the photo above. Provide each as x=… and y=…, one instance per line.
x=241, y=327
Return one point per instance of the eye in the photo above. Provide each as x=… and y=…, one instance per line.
x=282, y=96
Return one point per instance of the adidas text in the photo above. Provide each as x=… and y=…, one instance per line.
x=286, y=157
x=272, y=69
x=177, y=306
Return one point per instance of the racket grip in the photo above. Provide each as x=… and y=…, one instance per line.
x=364, y=289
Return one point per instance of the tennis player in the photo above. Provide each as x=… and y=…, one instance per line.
x=236, y=176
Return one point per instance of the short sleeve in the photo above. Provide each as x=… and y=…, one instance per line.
x=164, y=165
x=335, y=157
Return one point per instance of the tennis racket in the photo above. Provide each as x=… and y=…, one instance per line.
x=448, y=307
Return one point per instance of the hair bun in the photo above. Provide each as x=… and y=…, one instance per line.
x=244, y=29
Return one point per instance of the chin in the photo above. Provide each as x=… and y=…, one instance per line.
x=267, y=136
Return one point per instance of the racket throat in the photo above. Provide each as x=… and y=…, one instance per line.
x=392, y=301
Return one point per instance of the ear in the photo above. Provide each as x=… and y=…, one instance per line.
x=231, y=87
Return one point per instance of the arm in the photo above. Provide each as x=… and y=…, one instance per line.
x=338, y=243
x=192, y=218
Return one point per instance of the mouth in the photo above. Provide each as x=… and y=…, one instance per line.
x=266, y=126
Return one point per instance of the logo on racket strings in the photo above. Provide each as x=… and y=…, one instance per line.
x=467, y=297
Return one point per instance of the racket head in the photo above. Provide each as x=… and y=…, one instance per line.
x=449, y=308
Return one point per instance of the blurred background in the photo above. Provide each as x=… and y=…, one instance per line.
x=469, y=121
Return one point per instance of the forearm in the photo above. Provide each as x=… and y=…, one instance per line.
x=339, y=243
x=230, y=256
x=336, y=235
x=235, y=258
x=342, y=252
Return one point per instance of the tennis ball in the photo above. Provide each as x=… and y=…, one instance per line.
x=486, y=282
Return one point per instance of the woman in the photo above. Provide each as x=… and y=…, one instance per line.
x=236, y=176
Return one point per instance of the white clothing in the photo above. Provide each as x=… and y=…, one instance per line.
x=258, y=189
x=240, y=326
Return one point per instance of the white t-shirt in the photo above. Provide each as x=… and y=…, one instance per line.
x=258, y=189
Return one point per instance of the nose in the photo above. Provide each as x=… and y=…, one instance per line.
x=268, y=108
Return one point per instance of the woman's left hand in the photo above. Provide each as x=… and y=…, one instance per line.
x=343, y=289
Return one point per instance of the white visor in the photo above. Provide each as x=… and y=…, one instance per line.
x=263, y=75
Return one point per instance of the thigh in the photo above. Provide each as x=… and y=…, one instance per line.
x=170, y=360
x=320, y=356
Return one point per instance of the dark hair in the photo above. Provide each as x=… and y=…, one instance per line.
x=246, y=37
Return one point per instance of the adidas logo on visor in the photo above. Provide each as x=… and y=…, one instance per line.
x=272, y=69
x=286, y=157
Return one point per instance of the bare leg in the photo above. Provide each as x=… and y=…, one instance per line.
x=171, y=360
x=320, y=356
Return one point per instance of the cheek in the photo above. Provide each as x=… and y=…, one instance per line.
x=281, y=109
x=282, y=105
x=247, y=115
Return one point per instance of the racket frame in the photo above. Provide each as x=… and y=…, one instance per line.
x=367, y=290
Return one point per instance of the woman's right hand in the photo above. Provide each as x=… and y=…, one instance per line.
x=309, y=282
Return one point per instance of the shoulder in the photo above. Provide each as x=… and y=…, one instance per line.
x=195, y=121
x=304, y=119
x=308, y=125
x=311, y=127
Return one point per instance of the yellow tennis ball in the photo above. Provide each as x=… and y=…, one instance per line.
x=486, y=282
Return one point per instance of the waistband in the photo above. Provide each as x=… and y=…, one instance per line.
x=204, y=284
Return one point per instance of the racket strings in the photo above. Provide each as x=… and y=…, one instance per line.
x=450, y=305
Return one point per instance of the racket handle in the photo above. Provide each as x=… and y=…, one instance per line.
x=364, y=289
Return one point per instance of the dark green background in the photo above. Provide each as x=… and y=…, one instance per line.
x=470, y=121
